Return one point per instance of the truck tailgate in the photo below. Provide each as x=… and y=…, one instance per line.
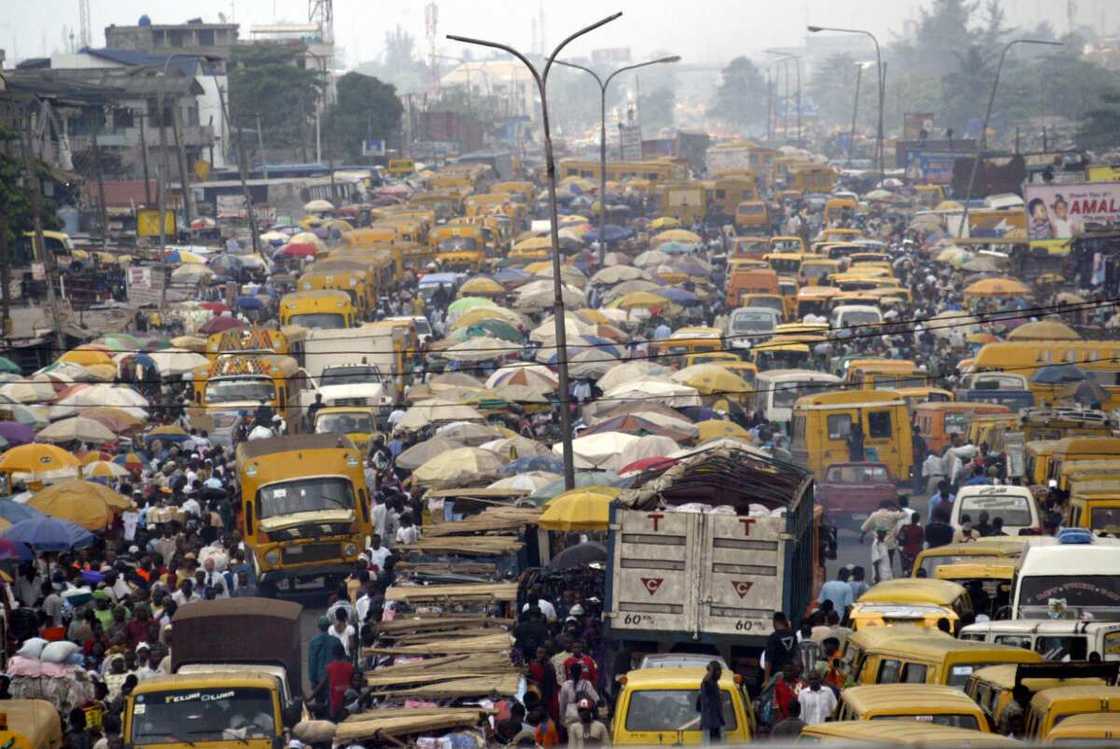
x=695, y=573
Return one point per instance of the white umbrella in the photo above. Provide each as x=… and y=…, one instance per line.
x=430, y=411
x=469, y=433
x=600, y=451
x=573, y=326
x=76, y=429
x=632, y=371
x=592, y=363
x=617, y=274
x=513, y=448
x=529, y=482
x=534, y=376
x=482, y=348
x=318, y=206
x=175, y=361
x=29, y=391
x=540, y=295
x=650, y=257
x=656, y=391
x=649, y=446
x=104, y=394
x=191, y=273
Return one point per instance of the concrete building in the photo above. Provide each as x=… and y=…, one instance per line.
x=193, y=37
x=203, y=128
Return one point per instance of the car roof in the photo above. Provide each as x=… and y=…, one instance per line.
x=673, y=678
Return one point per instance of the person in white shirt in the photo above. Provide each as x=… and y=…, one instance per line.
x=192, y=507
x=377, y=553
x=407, y=533
x=545, y=607
x=214, y=580
x=342, y=629
x=185, y=594
x=817, y=702
x=880, y=557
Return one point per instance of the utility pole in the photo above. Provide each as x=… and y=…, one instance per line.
x=242, y=170
x=144, y=160
x=855, y=112
x=769, y=105
x=184, y=175
x=103, y=213
x=5, y=278
x=161, y=174
x=38, y=245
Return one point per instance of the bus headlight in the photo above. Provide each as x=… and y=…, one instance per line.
x=272, y=557
x=350, y=550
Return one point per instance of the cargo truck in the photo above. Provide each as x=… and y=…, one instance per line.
x=711, y=582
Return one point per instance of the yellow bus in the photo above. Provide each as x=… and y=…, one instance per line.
x=327, y=308
x=823, y=424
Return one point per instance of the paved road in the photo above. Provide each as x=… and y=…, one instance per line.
x=314, y=606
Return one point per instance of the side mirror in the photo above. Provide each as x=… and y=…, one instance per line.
x=293, y=712
x=249, y=525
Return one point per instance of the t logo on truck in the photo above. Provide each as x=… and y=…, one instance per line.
x=747, y=523
x=655, y=517
x=653, y=584
x=742, y=587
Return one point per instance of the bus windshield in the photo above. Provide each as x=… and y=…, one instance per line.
x=1077, y=590
x=213, y=714
x=324, y=320
x=240, y=389
x=350, y=375
x=306, y=495
x=348, y=423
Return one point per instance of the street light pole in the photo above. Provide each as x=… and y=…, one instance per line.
x=879, y=66
x=981, y=142
x=541, y=79
x=162, y=185
x=603, y=83
x=786, y=57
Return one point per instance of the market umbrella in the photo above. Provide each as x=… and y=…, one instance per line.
x=464, y=466
x=580, y=555
x=115, y=418
x=632, y=371
x=16, y=433
x=483, y=348
x=492, y=328
x=7, y=365
x=481, y=314
x=648, y=446
x=640, y=300
x=298, y=249
x=676, y=295
x=435, y=410
x=533, y=376
x=573, y=326
x=34, y=417
x=541, y=464
x=664, y=222
x=45, y=534
x=674, y=235
x=481, y=286
x=612, y=232
x=711, y=379
x=512, y=448
x=511, y=276
x=172, y=362
x=192, y=274
x=119, y=342
x=422, y=452
x=102, y=372
x=712, y=429
x=651, y=258
x=635, y=423
x=471, y=434
x=997, y=287
x=35, y=390
x=86, y=503
x=103, y=469
x=103, y=394
x=39, y=460
x=539, y=295
x=168, y=433
x=581, y=509
x=530, y=481
x=14, y=512
x=591, y=363
x=130, y=460
x=87, y=356
x=511, y=394
x=1059, y=374
x=981, y=264
x=454, y=379
x=220, y=325
x=77, y=429
x=189, y=343
x=669, y=393
x=655, y=463
x=599, y=450
x=611, y=275
x=1044, y=330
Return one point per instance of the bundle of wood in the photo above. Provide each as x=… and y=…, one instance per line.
x=407, y=721
x=450, y=594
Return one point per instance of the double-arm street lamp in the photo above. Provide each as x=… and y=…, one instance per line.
x=541, y=79
x=603, y=83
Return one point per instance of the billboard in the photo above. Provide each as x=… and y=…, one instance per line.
x=147, y=222
x=144, y=284
x=917, y=125
x=931, y=168
x=631, y=136
x=1062, y=211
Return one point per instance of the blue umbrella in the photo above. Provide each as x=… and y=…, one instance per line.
x=583, y=478
x=14, y=512
x=612, y=232
x=677, y=248
x=679, y=295
x=250, y=302
x=49, y=534
x=540, y=463
x=1058, y=374
x=511, y=275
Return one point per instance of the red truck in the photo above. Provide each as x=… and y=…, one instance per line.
x=852, y=491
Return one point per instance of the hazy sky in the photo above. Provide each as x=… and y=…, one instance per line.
x=703, y=31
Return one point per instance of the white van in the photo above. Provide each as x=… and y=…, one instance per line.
x=776, y=390
x=750, y=325
x=1069, y=581
x=1053, y=640
x=855, y=315
x=1015, y=504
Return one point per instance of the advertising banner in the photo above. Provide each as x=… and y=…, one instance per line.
x=147, y=222
x=1062, y=211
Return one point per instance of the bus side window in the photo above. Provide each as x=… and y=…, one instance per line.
x=889, y=672
x=914, y=673
x=879, y=424
x=839, y=426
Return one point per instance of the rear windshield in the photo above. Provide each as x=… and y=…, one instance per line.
x=672, y=710
x=1076, y=590
x=956, y=721
x=1015, y=511
x=1105, y=519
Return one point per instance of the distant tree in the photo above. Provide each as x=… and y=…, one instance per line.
x=271, y=81
x=740, y=99
x=1099, y=128
x=365, y=108
x=655, y=109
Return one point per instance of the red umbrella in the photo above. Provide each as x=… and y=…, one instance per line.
x=657, y=463
x=220, y=325
x=298, y=249
x=216, y=307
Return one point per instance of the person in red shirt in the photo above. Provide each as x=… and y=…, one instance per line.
x=911, y=537
x=336, y=679
x=786, y=690
x=590, y=669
